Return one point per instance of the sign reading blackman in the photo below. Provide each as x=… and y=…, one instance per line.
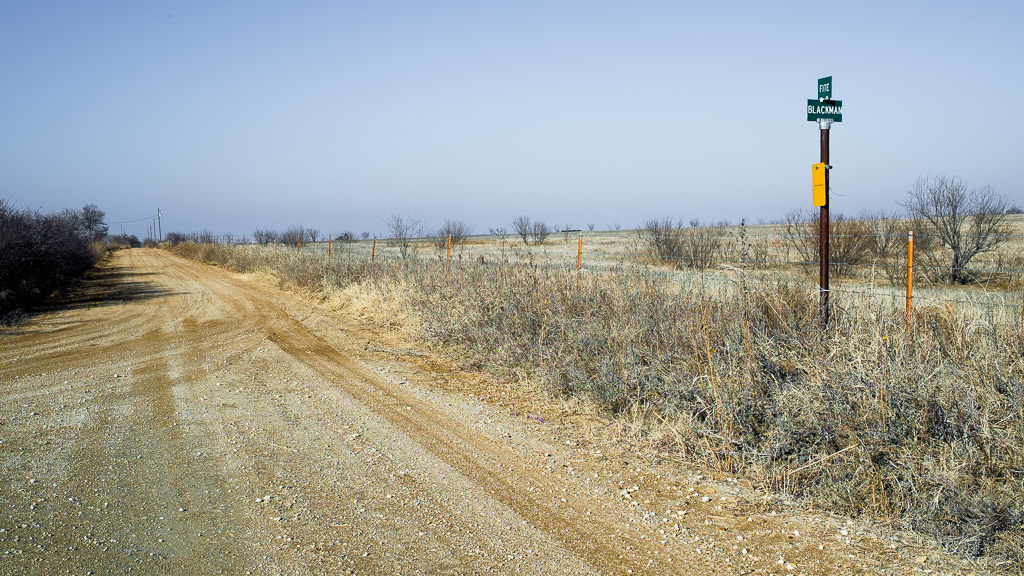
x=827, y=110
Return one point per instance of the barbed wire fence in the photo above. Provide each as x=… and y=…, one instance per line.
x=995, y=284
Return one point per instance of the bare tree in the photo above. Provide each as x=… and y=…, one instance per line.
x=404, y=229
x=312, y=234
x=264, y=236
x=966, y=222
x=590, y=226
x=522, y=227
x=293, y=235
x=92, y=222
x=365, y=235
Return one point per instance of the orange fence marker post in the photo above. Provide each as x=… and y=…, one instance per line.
x=579, y=254
x=330, y=245
x=373, y=253
x=448, y=258
x=910, y=275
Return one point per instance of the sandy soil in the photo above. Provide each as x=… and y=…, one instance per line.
x=174, y=418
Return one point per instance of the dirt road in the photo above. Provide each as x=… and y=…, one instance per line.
x=174, y=418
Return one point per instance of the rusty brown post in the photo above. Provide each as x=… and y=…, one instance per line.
x=823, y=232
x=910, y=276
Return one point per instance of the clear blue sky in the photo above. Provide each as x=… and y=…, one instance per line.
x=237, y=115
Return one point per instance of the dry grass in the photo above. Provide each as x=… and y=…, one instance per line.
x=921, y=427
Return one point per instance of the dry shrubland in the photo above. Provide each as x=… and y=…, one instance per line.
x=922, y=427
x=44, y=253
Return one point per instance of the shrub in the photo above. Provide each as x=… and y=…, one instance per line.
x=850, y=241
x=457, y=230
x=694, y=247
x=39, y=254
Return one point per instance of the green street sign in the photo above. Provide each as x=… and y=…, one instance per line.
x=825, y=88
x=829, y=110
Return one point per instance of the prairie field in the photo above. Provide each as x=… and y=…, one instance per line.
x=718, y=357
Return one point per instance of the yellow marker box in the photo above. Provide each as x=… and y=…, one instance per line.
x=818, y=178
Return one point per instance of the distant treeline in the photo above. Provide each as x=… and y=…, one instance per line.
x=41, y=253
x=262, y=236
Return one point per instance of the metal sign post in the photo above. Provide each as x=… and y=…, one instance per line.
x=824, y=110
x=823, y=225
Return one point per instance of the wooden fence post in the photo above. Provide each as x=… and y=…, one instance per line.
x=579, y=253
x=373, y=252
x=448, y=258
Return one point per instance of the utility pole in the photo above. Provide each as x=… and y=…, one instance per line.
x=159, y=226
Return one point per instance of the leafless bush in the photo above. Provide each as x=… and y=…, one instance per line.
x=754, y=252
x=695, y=247
x=262, y=236
x=38, y=255
x=539, y=232
x=404, y=229
x=295, y=234
x=457, y=230
x=662, y=239
x=173, y=238
x=887, y=245
x=850, y=241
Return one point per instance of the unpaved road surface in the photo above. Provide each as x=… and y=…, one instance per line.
x=174, y=418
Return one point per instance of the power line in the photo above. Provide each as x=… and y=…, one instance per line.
x=134, y=221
